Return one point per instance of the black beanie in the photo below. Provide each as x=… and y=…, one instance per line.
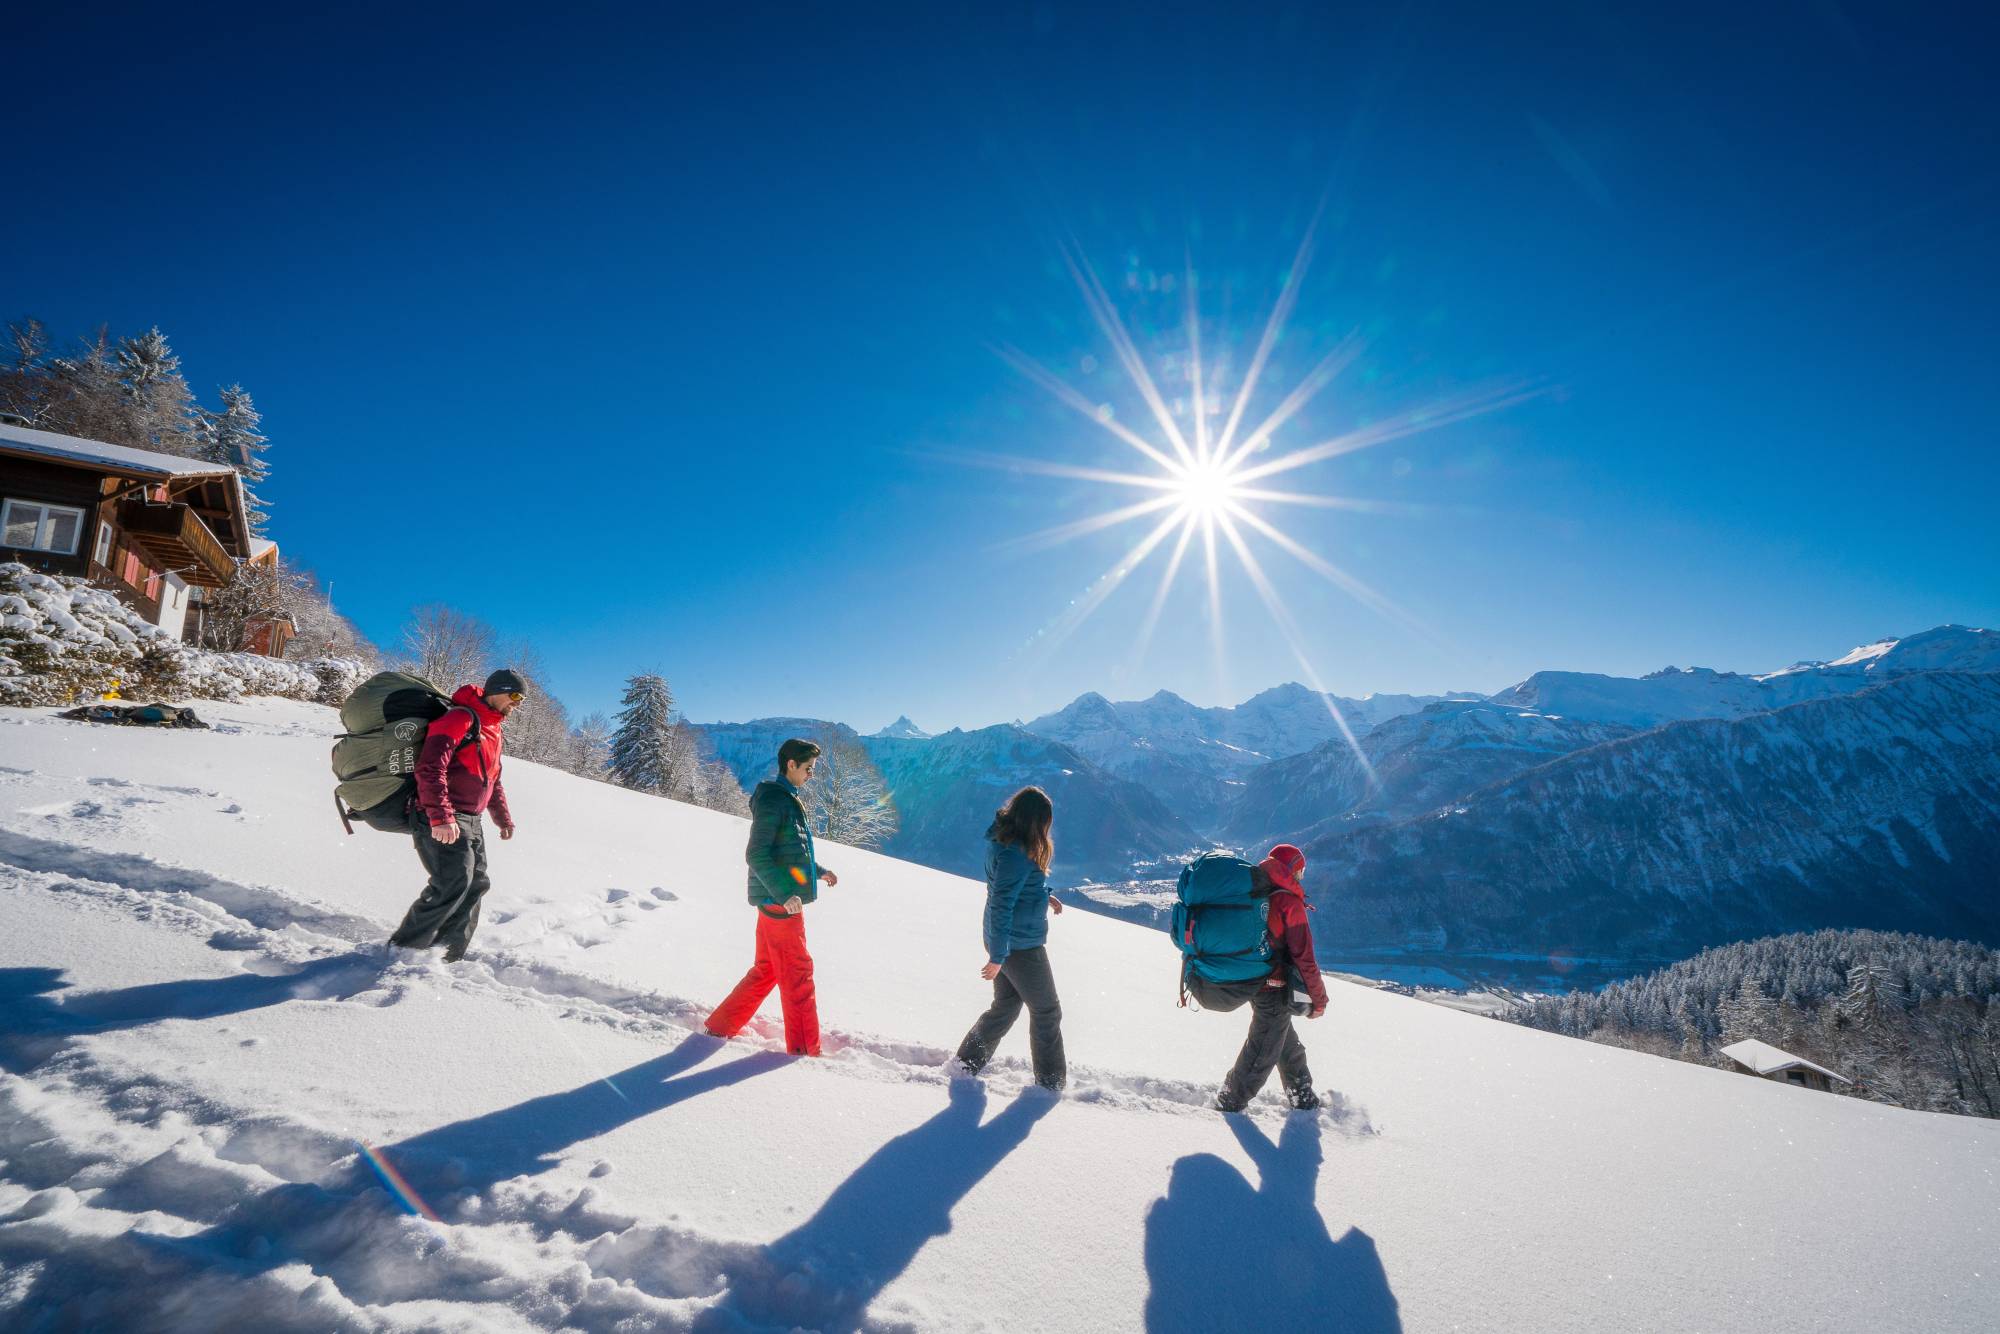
x=505, y=681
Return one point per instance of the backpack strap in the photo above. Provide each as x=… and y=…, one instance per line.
x=471, y=737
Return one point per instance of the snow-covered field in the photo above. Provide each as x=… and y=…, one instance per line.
x=226, y=1106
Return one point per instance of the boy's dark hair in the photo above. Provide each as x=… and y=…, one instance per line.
x=795, y=751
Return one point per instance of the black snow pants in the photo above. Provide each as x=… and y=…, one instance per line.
x=447, y=912
x=1271, y=1041
x=1024, y=977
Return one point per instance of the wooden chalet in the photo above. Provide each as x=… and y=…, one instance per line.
x=1761, y=1058
x=151, y=527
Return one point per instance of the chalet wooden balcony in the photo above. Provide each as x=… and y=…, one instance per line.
x=178, y=540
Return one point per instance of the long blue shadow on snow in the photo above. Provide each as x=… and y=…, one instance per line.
x=530, y=1136
x=33, y=1023
x=823, y=1274
x=1220, y=1255
x=302, y=1222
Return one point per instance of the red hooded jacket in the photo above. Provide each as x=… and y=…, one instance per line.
x=451, y=779
x=1285, y=917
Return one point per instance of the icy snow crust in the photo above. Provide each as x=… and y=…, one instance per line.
x=199, y=1031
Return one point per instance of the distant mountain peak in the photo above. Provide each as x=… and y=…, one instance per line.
x=904, y=730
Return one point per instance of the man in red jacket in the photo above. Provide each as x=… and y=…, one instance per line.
x=1272, y=1041
x=458, y=780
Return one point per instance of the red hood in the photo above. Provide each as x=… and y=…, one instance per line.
x=471, y=698
x=1281, y=875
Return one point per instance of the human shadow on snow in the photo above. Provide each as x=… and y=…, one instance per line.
x=529, y=1137
x=823, y=1274
x=33, y=1023
x=1220, y=1255
x=309, y=1222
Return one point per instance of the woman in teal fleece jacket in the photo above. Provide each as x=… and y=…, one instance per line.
x=1016, y=927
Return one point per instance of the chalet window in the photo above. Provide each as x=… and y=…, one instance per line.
x=103, y=553
x=39, y=527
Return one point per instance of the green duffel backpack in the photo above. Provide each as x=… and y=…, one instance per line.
x=383, y=724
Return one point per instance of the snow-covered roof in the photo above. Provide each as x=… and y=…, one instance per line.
x=261, y=545
x=26, y=440
x=1765, y=1059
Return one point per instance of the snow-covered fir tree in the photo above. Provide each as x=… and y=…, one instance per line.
x=229, y=436
x=150, y=375
x=647, y=749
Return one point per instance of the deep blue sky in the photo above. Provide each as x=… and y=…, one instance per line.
x=656, y=337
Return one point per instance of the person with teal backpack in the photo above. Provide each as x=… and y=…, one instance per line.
x=1244, y=939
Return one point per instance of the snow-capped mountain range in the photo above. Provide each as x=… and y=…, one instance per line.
x=1879, y=808
x=1196, y=757
x=1139, y=784
x=1677, y=694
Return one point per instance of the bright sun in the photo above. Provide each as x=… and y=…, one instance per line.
x=1206, y=490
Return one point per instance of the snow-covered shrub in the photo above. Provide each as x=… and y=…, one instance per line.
x=337, y=677
x=63, y=641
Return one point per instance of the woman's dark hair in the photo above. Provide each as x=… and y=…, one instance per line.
x=1024, y=821
x=795, y=751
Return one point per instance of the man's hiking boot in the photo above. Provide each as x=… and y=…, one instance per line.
x=453, y=953
x=1226, y=1101
x=1302, y=1097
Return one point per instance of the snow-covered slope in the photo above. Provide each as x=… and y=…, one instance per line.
x=1680, y=694
x=1879, y=808
x=213, y=1074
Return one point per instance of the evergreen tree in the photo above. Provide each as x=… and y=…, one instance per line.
x=643, y=749
x=230, y=437
x=162, y=406
x=1749, y=1014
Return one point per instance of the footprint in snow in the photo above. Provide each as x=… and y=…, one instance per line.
x=664, y=895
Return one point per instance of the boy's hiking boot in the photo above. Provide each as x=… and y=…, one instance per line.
x=1302, y=1096
x=1230, y=1101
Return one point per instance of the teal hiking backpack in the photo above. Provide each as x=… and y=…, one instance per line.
x=1219, y=921
x=383, y=724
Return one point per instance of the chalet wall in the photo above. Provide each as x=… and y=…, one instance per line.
x=29, y=479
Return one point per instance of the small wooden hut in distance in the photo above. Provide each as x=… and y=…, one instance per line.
x=1761, y=1058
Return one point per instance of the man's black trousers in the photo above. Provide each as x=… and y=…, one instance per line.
x=447, y=912
x=1025, y=977
x=1271, y=1042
